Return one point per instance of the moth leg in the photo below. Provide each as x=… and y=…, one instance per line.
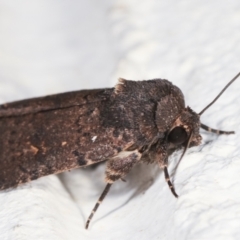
x=103, y=195
x=169, y=181
x=160, y=153
x=208, y=129
x=117, y=168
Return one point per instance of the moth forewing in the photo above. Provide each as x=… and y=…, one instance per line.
x=54, y=138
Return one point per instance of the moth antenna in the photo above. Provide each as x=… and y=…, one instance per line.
x=216, y=98
x=185, y=149
x=106, y=190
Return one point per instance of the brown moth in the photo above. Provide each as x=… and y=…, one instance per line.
x=135, y=121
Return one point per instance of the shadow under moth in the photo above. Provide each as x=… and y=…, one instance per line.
x=137, y=121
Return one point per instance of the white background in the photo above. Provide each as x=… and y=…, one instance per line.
x=50, y=46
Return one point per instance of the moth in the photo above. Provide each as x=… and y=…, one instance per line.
x=136, y=121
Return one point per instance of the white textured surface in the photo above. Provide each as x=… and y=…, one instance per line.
x=55, y=46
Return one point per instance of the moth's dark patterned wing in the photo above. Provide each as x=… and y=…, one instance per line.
x=53, y=134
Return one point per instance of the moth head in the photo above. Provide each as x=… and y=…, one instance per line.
x=185, y=129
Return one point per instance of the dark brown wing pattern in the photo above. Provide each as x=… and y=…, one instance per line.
x=52, y=134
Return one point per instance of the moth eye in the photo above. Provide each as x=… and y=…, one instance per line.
x=177, y=136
